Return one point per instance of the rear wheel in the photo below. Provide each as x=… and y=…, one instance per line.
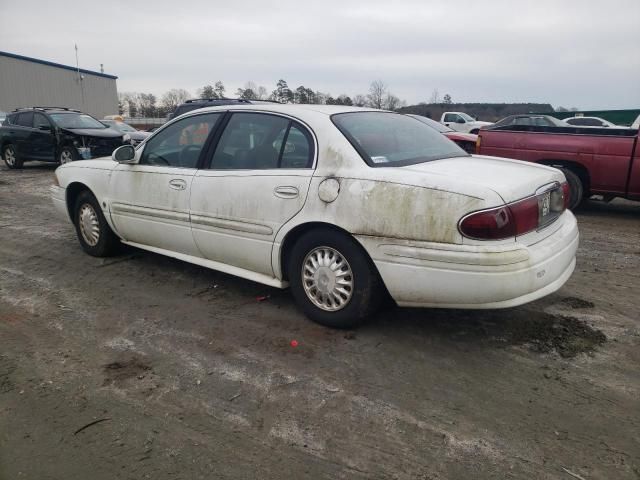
x=575, y=187
x=93, y=231
x=10, y=157
x=332, y=279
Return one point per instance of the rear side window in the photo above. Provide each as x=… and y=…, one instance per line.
x=390, y=139
x=451, y=117
x=25, y=119
x=256, y=141
x=11, y=119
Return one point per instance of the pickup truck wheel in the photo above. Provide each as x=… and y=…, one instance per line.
x=93, y=231
x=66, y=155
x=10, y=157
x=332, y=279
x=575, y=187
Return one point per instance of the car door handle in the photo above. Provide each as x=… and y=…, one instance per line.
x=286, y=192
x=177, y=184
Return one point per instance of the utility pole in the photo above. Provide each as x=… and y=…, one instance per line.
x=80, y=79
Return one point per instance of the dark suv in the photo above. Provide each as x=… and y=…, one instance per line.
x=53, y=134
x=211, y=102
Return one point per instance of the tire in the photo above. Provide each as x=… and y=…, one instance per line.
x=575, y=187
x=11, y=157
x=67, y=154
x=361, y=292
x=93, y=231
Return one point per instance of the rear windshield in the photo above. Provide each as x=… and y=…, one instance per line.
x=385, y=139
x=76, y=120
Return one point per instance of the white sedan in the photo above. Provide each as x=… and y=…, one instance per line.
x=342, y=204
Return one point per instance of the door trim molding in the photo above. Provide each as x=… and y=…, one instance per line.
x=226, y=224
x=139, y=211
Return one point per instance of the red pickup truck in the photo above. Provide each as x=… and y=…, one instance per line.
x=596, y=161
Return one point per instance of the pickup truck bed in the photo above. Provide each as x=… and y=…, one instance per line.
x=596, y=161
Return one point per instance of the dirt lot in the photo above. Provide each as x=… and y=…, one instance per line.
x=187, y=375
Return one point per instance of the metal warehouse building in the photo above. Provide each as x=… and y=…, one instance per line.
x=29, y=82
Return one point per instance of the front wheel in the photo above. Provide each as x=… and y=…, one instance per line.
x=66, y=155
x=93, y=231
x=10, y=157
x=332, y=279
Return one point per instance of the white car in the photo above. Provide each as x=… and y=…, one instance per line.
x=341, y=204
x=590, y=122
x=461, y=122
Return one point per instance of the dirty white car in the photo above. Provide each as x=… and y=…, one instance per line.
x=340, y=203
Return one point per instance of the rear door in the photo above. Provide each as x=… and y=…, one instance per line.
x=149, y=200
x=20, y=132
x=258, y=179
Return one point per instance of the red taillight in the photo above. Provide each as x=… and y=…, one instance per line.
x=566, y=193
x=515, y=218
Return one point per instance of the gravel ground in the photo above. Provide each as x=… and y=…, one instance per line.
x=141, y=366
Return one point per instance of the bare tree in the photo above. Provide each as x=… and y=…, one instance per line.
x=391, y=102
x=219, y=89
x=435, y=97
x=173, y=98
x=252, y=91
x=359, y=100
x=377, y=92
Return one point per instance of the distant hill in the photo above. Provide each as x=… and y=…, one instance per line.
x=489, y=112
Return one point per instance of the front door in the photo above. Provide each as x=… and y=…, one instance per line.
x=42, y=139
x=149, y=200
x=257, y=180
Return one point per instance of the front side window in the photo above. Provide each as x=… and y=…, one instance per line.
x=390, y=139
x=593, y=122
x=522, y=121
x=257, y=141
x=180, y=144
x=39, y=120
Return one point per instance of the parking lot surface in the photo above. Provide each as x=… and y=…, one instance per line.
x=141, y=366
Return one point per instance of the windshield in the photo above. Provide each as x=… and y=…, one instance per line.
x=389, y=139
x=120, y=126
x=432, y=123
x=76, y=120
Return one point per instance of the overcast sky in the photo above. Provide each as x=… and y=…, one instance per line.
x=582, y=53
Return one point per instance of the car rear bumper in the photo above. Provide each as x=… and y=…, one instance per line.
x=420, y=274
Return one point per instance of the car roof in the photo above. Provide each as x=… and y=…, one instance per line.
x=291, y=109
x=597, y=118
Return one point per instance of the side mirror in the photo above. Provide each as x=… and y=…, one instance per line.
x=46, y=128
x=124, y=154
x=460, y=120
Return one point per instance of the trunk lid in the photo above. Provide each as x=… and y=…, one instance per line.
x=511, y=179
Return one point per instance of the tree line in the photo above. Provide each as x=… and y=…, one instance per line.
x=136, y=104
